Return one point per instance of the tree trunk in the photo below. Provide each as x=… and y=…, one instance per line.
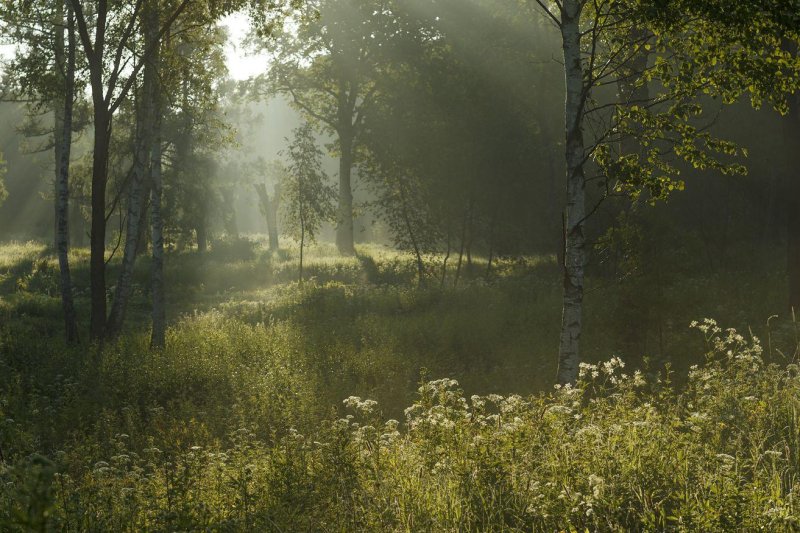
x=491, y=245
x=63, y=143
x=446, y=257
x=269, y=209
x=102, y=113
x=144, y=142
x=144, y=224
x=344, y=229
x=302, y=210
x=791, y=127
x=59, y=54
x=413, y=239
x=158, y=336
x=302, y=245
x=272, y=222
x=77, y=228
x=97, y=262
x=575, y=252
x=202, y=235
x=229, y=216
x=470, y=237
x=461, y=251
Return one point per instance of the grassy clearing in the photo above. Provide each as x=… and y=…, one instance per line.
x=239, y=424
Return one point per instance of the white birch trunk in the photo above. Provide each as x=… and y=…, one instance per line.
x=158, y=336
x=159, y=315
x=63, y=142
x=122, y=292
x=574, y=238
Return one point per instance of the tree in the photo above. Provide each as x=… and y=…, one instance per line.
x=44, y=75
x=324, y=63
x=701, y=54
x=306, y=198
x=268, y=204
x=146, y=98
x=447, y=141
x=791, y=164
x=107, y=32
x=3, y=192
x=64, y=119
x=198, y=133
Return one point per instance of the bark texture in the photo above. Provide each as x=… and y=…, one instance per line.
x=574, y=238
x=344, y=230
x=159, y=315
x=97, y=239
x=63, y=144
x=138, y=186
x=269, y=208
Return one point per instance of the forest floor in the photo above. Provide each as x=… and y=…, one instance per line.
x=239, y=424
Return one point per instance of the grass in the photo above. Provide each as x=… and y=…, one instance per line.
x=239, y=423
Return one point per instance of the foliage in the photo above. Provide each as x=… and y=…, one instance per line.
x=306, y=197
x=617, y=451
x=197, y=133
x=322, y=60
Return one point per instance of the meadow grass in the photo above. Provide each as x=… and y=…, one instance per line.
x=239, y=423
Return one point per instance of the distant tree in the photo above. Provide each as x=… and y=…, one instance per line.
x=197, y=173
x=448, y=136
x=3, y=192
x=307, y=200
x=324, y=61
x=412, y=220
x=268, y=176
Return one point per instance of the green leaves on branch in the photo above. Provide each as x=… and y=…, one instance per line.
x=307, y=199
x=690, y=54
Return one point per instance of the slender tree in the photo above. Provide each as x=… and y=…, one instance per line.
x=44, y=75
x=146, y=99
x=791, y=139
x=107, y=32
x=64, y=119
x=697, y=53
x=306, y=197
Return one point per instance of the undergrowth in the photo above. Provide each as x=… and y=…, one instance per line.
x=239, y=425
x=618, y=451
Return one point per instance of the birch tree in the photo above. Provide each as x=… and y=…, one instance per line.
x=107, y=30
x=3, y=192
x=43, y=73
x=146, y=98
x=701, y=50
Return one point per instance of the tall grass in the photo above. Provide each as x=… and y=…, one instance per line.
x=615, y=452
x=239, y=424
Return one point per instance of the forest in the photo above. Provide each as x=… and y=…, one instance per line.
x=399, y=265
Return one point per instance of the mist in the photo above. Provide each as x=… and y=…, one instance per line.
x=418, y=265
